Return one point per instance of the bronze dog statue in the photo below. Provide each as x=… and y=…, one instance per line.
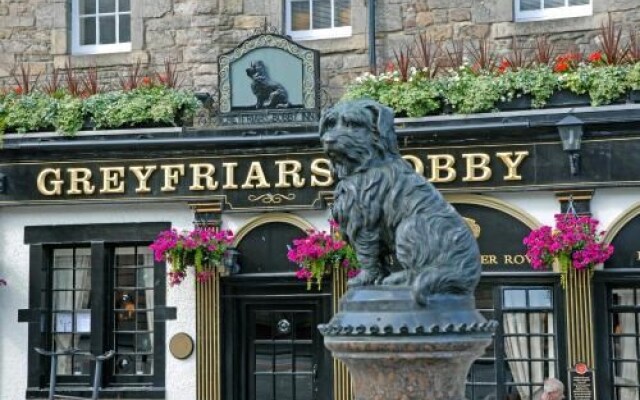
x=392, y=216
x=269, y=93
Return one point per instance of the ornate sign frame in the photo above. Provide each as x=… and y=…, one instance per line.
x=310, y=59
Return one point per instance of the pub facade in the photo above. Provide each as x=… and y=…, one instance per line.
x=77, y=217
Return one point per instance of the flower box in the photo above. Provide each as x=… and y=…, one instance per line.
x=566, y=98
x=523, y=102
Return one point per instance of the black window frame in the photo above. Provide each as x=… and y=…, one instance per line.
x=102, y=239
x=603, y=283
x=498, y=282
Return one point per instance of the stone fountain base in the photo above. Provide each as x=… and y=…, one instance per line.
x=396, y=349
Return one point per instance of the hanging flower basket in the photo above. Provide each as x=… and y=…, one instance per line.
x=203, y=249
x=319, y=252
x=574, y=242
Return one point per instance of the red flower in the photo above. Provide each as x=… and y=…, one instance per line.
x=504, y=66
x=561, y=66
x=18, y=90
x=147, y=81
x=595, y=57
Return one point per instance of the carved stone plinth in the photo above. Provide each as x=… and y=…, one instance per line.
x=398, y=350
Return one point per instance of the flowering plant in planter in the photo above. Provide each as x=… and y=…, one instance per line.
x=201, y=248
x=320, y=251
x=574, y=242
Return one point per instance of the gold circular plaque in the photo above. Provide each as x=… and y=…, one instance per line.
x=181, y=345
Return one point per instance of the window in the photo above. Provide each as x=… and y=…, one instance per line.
x=524, y=351
x=533, y=10
x=624, y=343
x=318, y=19
x=101, y=26
x=100, y=290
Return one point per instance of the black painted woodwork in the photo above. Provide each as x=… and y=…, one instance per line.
x=101, y=238
x=243, y=297
x=626, y=247
x=501, y=235
x=264, y=249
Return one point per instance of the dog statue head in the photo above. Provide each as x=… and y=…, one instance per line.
x=257, y=70
x=357, y=135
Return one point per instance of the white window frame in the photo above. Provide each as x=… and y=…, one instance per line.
x=78, y=49
x=313, y=34
x=552, y=13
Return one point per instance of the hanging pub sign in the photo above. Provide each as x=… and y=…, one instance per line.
x=581, y=382
x=269, y=80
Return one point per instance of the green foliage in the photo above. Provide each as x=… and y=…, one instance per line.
x=469, y=90
x=604, y=84
x=29, y=113
x=153, y=105
x=540, y=82
x=68, y=117
x=633, y=77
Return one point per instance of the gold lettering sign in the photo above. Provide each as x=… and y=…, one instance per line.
x=218, y=174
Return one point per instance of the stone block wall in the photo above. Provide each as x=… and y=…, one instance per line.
x=194, y=33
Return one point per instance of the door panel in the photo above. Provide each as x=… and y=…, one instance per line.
x=282, y=351
x=272, y=347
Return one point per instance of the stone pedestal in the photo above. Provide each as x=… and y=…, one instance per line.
x=396, y=349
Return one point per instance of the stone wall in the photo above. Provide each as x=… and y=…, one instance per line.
x=194, y=33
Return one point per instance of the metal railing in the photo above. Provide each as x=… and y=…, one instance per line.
x=97, y=380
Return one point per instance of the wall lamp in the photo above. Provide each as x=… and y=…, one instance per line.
x=570, y=129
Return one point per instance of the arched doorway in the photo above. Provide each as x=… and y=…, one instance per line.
x=272, y=349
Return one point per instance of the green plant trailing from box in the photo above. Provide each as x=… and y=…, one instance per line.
x=470, y=92
x=539, y=82
x=29, y=113
x=633, y=77
x=151, y=105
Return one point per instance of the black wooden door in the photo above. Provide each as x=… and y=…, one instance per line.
x=283, y=355
x=273, y=349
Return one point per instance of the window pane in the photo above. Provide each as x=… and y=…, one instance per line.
x=125, y=342
x=283, y=359
x=514, y=298
x=124, y=29
x=264, y=387
x=125, y=257
x=63, y=300
x=107, y=6
x=579, y=2
x=321, y=14
x=529, y=5
x=342, y=16
x=145, y=277
x=624, y=297
x=63, y=258
x=540, y=298
x=300, y=15
x=624, y=323
x=144, y=365
x=304, y=387
x=107, y=30
x=145, y=255
x=81, y=365
x=284, y=387
x=87, y=31
x=63, y=279
x=87, y=6
x=124, y=5
x=125, y=277
x=554, y=3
